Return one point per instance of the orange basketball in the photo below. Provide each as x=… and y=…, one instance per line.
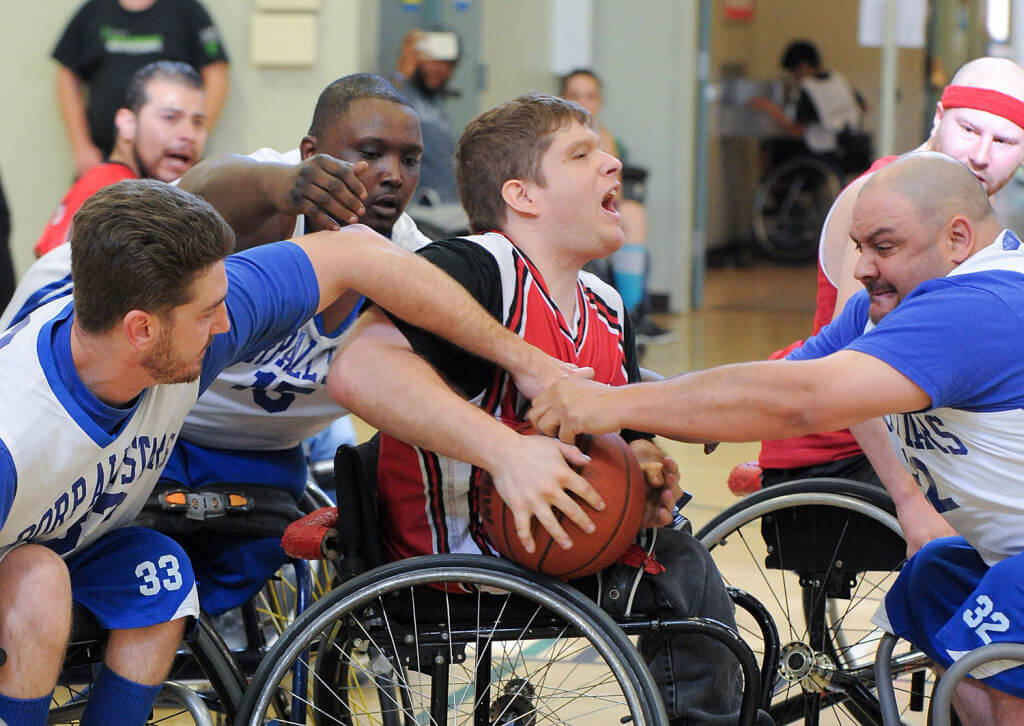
x=615, y=473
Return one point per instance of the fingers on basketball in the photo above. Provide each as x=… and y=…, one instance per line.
x=614, y=472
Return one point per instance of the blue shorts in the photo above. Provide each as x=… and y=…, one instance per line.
x=230, y=569
x=132, y=578
x=947, y=601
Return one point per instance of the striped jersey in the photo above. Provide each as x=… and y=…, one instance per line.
x=427, y=501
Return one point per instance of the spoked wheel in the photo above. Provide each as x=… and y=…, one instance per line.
x=820, y=554
x=451, y=639
x=790, y=206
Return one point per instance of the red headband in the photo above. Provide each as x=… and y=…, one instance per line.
x=984, y=99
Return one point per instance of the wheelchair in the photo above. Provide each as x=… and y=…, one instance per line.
x=820, y=553
x=793, y=197
x=462, y=639
x=941, y=712
x=208, y=676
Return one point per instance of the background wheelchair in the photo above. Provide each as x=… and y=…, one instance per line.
x=461, y=639
x=794, y=195
x=820, y=553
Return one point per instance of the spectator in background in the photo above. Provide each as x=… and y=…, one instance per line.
x=422, y=76
x=827, y=105
x=161, y=132
x=107, y=41
x=627, y=268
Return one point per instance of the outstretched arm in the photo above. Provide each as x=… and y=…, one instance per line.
x=377, y=376
x=413, y=289
x=260, y=199
x=772, y=109
x=742, y=402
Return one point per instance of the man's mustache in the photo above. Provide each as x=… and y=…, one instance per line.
x=876, y=288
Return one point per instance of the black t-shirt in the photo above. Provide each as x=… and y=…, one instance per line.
x=104, y=44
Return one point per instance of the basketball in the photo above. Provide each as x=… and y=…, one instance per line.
x=615, y=473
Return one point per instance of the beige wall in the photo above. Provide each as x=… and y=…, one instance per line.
x=515, y=49
x=758, y=45
x=266, y=107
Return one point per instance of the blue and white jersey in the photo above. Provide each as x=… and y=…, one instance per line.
x=277, y=397
x=73, y=468
x=49, y=278
x=959, y=338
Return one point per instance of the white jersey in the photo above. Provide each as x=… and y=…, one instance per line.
x=968, y=461
x=277, y=398
x=83, y=481
x=959, y=339
x=47, y=279
x=837, y=108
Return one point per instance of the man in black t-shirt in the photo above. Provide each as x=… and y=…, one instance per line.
x=107, y=41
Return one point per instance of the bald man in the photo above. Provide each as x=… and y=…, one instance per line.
x=936, y=341
x=980, y=122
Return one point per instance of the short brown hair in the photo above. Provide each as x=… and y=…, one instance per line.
x=505, y=143
x=138, y=245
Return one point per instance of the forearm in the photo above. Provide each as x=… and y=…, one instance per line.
x=390, y=388
x=240, y=189
x=215, y=85
x=415, y=290
x=750, y=401
x=72, y=107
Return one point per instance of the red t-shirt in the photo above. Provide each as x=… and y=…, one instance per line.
x=101, y=175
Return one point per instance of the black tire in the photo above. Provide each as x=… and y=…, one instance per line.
x=790, y=206
x=376, y=614
x=819, y=554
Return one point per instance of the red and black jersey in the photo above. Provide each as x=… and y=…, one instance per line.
x=427, y=502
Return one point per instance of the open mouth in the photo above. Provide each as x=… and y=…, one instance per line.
x=608, y=202
x=179, y=158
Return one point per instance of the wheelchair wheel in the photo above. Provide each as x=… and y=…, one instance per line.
x=454, y=639
x=820, y=554
x=790, y=206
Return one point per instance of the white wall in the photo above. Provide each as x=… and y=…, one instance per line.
x=266, y=107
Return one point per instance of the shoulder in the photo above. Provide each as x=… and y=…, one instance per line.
x=91, y=8
x=981, y=307
x=989, y=288
x=272, y=155
x=600, y=289
x=407, y=235
x=477, y=252
x=109, y=172
x=194, y=7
